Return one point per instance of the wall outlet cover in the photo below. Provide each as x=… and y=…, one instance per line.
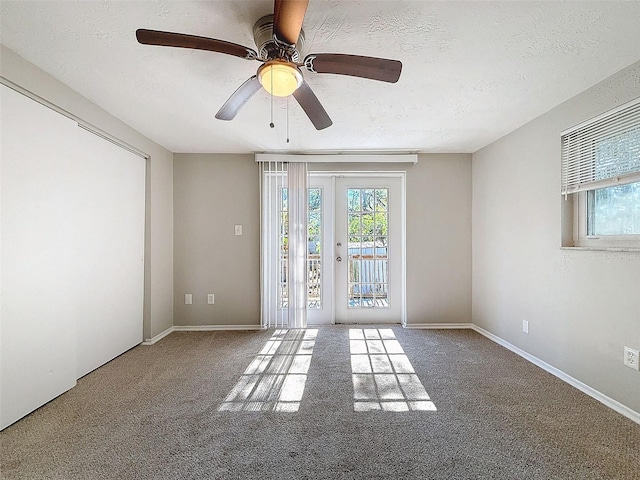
x=632, y=358
x=525, y=326
x=188, y=298
x=210, y=299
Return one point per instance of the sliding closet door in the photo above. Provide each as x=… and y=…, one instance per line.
x=72, y=244
x=110, y=250
x=39, y=268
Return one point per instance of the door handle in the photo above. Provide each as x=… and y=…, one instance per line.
x=338, y=259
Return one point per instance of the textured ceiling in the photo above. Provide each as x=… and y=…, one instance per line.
x=472, y=71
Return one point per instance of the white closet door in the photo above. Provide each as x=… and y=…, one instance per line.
x=72, y=245
x=39, y=271
x=111, y=251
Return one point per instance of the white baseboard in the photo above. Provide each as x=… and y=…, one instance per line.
x=157, y=338
x=207, y=328
x=592, y=392
x=198, y=328
x=440, y=326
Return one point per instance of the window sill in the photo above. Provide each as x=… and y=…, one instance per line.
x=605, y=249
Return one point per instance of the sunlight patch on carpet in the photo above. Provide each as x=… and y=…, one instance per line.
x=275, y=379
x=383, y=377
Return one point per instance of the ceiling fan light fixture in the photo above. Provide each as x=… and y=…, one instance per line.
x=279, y=78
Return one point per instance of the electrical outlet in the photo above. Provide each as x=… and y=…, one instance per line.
x=631, y=357
x=210, y=298
x=188, y=298
x=525, y=326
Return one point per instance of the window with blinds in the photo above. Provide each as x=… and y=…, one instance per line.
x=601, y=177
x=602, y=152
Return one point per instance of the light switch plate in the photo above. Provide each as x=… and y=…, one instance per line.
x=188, y=298
x=238, y=229
x=210, y=298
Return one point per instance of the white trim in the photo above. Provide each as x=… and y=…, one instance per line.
x=198, y=328
x=403, y=273
x=157, y=338
x=620, y=243
x=440, y=326
x=592, y=392
x=339, y=158
x=603, y=249
x=207, y=328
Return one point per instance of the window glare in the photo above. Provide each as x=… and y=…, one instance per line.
x=614, y=210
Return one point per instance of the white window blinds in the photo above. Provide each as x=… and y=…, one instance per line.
x=602, y=152
x=284, y=244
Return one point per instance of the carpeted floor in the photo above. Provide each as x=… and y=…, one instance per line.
x=206, y=405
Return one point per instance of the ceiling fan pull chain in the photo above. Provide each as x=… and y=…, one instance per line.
x=287, y=119
x=271, y=95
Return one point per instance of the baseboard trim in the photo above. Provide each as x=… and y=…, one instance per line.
x=157, y=338
x=207, y=328
x=592, y=392
x=440, y=326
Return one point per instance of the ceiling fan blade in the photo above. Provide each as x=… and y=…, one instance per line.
x=169, y=39
x=355, y=65
x=312, y=107
x=288, y=16
x=232, y=106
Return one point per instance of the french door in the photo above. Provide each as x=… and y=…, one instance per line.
x=355, y=256
x=369, y=250
x=319, y=254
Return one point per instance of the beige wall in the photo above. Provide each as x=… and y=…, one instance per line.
x=582, y=306
x=214, y=192
x=158, y=308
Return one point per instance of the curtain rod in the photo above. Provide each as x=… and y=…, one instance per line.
x=339, y=158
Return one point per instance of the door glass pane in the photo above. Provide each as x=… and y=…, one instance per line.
x=353, y=197
x=283, y=243
x=314, y=243
x=368, y=281
x=314, y=253
x=368, y=199
x=382, y=196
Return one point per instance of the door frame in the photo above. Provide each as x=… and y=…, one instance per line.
x=333, y=174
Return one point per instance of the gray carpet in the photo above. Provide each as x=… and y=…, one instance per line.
x=154, y=413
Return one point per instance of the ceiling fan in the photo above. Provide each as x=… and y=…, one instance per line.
x=280, y=38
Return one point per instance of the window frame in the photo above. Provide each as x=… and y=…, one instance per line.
x=578, y=166
x=598, y=242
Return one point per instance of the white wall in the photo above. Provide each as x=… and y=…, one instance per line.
x=158, y=306
x=215, y=191
x=582, y=306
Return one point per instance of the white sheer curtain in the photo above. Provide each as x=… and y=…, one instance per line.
x=283, y=284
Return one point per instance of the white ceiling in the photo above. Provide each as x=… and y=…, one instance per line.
x=472, y=71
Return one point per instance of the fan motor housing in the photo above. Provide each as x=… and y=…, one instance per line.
x=267, y=46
